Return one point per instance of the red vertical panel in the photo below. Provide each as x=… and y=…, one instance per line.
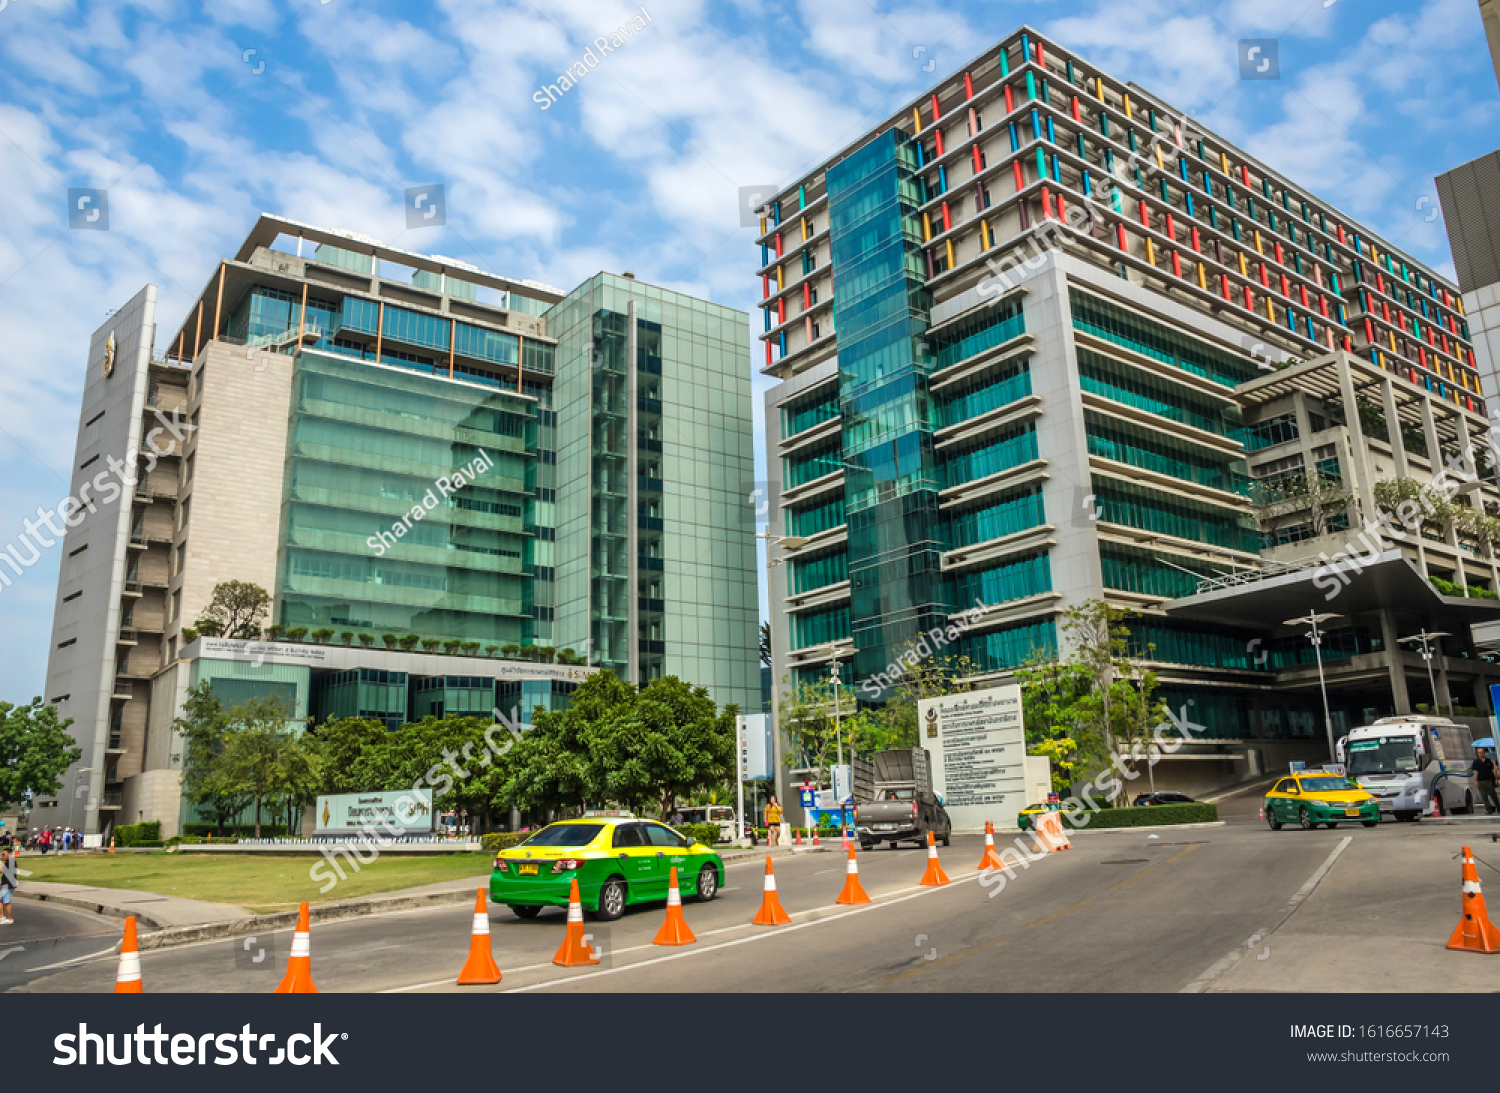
x=1171, y=229
x=939, y=136
x=1041, y=57
x=973, y=123
x=1379, y=282
x=1077, y=111
x=978, y=166
x=1062, y=207
x=1286, y=289
x=1323, y=305
x=968, y=86
x=1245, y=175
x=778, y=246
x=1120, y=237
x=935, y=108
x=1280, y=255
x=781, y=311
x=1176, y=261
x=768, y=354
x=1369, y=332
x=1046, y=202
x=1020, y=175
x=1385, y=310
x=947, y=218
x=1265, y=278
x=1342, y=240
x=1197, y=245
x=1010, y=103
x=1249, y=300
x=806, y=295
x=1224, y=287
x=1305, y=302
x=1145, y=213
x=765, y=288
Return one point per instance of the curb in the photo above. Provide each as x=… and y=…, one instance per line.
x=108, y=910
x=1152, y=827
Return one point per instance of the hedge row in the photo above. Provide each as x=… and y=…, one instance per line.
x=142, y=834
x=267, y=831
x=1147, y=816
x=707, y=834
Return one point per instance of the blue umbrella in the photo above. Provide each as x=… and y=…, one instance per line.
x=1487, y=742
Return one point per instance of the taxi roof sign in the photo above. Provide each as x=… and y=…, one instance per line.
x=606, y=813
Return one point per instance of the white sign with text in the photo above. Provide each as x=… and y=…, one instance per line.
x=979, y=744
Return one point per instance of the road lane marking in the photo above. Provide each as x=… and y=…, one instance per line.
x=1041, y=921
x=827, y=913
x=1234, y=956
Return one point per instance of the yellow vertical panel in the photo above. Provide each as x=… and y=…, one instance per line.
x=804, y=229
x=1258, y=248
x=1202, y=279
x=779, y=282
x=926, y=227
x=952, y=261
x=1224, y=163
x=984, y=235
x=916, y=118
x=1099, y=87
x=1270, y=307
x=1150, y=251
x=1244, y=270
x=1159, y=164
x=1128, y=114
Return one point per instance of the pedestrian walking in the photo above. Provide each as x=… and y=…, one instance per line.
x=7, y=884
x=1484, y=774
x=45, y=842
x=773, y=822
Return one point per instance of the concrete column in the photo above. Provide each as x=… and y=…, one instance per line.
x=1361, y=484
x=1389, y=635
x=1393, y=428
x=1440, y=678
x=1304, y=421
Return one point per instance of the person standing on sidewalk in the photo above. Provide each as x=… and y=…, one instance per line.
x=7, y=885
x=1484, y=774
x=773, y=822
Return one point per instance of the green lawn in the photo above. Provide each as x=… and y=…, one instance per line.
x=260, y=882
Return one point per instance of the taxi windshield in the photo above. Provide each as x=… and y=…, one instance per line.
x=1383, y=755
x=564, y=835
x=1326, y=785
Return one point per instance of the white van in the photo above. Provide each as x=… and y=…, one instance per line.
x=1407, y=763
x=723, y=815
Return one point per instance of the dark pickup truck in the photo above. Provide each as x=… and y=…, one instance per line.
x=902, y=807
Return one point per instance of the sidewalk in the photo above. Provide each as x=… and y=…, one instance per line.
x=178, y=921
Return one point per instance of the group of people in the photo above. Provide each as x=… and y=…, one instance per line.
x=48, y=838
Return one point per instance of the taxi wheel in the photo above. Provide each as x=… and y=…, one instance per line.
x=611, y=900
x=1368, y=823
x=1304, y=818
x=1272, y=820
x=708, y=883
x=525, y=912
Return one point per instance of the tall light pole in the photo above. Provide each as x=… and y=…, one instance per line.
x=1427, y=648
x=838, y=732
x=786, y=542
x=1316, y=637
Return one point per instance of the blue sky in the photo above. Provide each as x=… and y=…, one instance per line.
x=345, y=103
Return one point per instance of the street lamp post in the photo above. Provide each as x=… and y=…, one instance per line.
x=786, y=542
x=1315, y=635
x=1427, y=648
x=838, y=734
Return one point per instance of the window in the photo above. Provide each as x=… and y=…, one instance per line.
x=187, y=474
x=65, y=644
x=183, y=512
x=93, y=419
x=661, y=835
x=72, y=596
x=176, y=605
x=181, y=556
x=80, y=550
x=88, y=462
x=627, y=836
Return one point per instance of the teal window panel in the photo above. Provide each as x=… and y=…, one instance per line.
x=1007, y=515
x=1000, y=452
x=1125, y=328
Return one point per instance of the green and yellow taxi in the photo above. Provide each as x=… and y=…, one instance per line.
x=1319, y=798
x=1025, y=818
x=617, y=858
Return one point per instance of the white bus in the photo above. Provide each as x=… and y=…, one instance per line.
x=1408, y=763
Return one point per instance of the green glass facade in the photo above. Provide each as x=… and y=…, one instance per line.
x=366, y=447
x=880, y=308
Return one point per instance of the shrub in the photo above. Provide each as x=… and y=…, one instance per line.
x=410, y=641
x=273, y=633
x=500, y=840
x=322, y=635
x=451, y=646
x=546, y=653
x=707, y=834
x=491, y=650
x=347, y=637
x=511, y=650
x=471, y=648
x=139, y=834
x=189, y=635
x=367, y=640
x=430, y=645
x=296, y=633
x=1148, y=816
x=391, y=640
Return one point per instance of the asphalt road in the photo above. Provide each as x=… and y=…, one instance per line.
x=1230, y=908
x=45, y=936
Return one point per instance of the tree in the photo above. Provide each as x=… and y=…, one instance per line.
x=207, y=781
x=809, y=734
x=1314, y=494
x=235, y=610
x=266, y=756
x=549, y=766
x=670, y=741
x=341, y=745
x=35, y=749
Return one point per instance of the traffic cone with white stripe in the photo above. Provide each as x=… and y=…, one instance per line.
x=853, y=892
x=771, y=912
x=298, y=978
x=934, y=875
x=111, y=844
x=815, y=837
x=1437, y=806
x=128, y=978
x=575, y=950
x=480, y=968
x=1475, y=932
x=675, y=930
x=991, y=859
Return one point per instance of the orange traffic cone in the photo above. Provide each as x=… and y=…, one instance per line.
x=853, y=892
x=934, y=875
x=1475, y=932
x=128, y=978
x=111, y=844
x=298, y=978
x=675, y=930
x=574, y=950
x=1262, y=814
x=815, y=837
x=799, y=837
x=771, y=912
x=480, y=967
x=991, y=859
x=1437, y=806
